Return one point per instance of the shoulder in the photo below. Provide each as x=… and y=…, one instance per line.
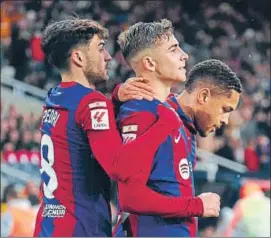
x=95, y=111
x=88, y=94
x=68, y=97
x=94, y=98
x=134, y=106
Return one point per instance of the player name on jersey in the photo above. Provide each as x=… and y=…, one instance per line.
x=50, y=116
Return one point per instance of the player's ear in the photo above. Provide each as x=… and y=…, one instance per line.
x=78, y=58
x=203, y=95
x=148, y=63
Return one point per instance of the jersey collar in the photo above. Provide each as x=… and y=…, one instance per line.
x=186, y=119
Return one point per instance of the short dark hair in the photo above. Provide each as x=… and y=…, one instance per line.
x=214, y=74
x=59, y=38
x=143, y=35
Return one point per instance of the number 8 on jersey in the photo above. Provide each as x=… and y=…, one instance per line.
x=47, y=172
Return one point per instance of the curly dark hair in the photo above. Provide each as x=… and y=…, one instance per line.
x=59, y=38
x=143, y=35
x=214, y=74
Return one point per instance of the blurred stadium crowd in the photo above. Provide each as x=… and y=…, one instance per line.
x=237, y=33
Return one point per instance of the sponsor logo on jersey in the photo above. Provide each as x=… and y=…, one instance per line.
x=177, y=138
x=184, y=169
x=52, y=210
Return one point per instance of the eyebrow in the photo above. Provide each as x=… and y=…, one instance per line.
x=102, y=43
x=173, y=46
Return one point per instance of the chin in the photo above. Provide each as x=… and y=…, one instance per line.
x=100, y=79
x=104, y=77
x=203, y=133
x=181, y=78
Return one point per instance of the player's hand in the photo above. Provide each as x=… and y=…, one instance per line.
x=169, y=117
x=135, y=88
x=211, y=204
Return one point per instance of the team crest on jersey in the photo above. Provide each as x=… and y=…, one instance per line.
x=99, y=119
x=184, y=169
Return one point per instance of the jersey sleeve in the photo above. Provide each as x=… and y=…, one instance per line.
x=132, y=127
x=95, y=115
x=135, y=197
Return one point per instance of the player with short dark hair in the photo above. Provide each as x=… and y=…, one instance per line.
x=216, y=81
x=81, y=148
x=169, y=206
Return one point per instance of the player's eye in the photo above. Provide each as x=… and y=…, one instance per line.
x=102, y=47
x=226, y=110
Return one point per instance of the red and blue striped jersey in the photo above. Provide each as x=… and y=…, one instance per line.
x=172, y=169
x=76, y=189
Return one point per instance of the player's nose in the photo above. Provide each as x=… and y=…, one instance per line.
x=107, y=56
x=184, y=55
x=225, y=120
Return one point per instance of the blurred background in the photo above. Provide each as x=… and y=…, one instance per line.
x=234, y=162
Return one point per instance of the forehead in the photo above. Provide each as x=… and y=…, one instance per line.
x=165, y=42
x=95, y=41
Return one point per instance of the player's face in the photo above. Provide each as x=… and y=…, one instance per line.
x=170, y=60
x=215, y=112
x=97, y=60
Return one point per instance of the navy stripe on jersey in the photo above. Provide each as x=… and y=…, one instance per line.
x=163, y=164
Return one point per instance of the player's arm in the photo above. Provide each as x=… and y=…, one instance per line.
x=134, y=195
x=133, y=88
x=96, y=117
